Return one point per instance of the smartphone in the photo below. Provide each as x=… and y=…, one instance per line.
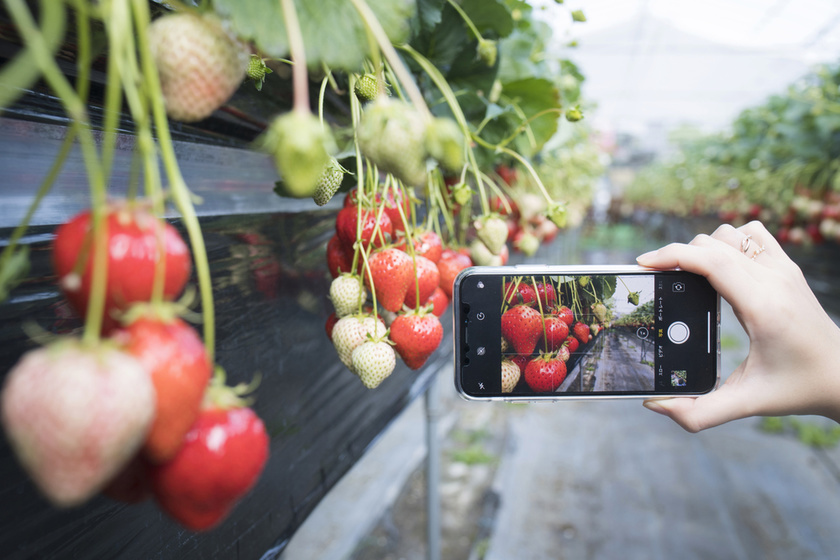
x=531, y=332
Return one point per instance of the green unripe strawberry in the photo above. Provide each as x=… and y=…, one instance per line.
x=392, y=134
x=574, y=115
x=199, y=64
x=462, y=193
x=445, y=142
x=367, y=87
x=633, y=298
x=329, y=182
x=487, y=51
x=578, y=15
x=557, y=213
x=300, y=146
x=257, y=71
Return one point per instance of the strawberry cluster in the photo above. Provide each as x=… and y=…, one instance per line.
x=525, y=215
x=539, y=335
x=136, y=414
x=391, y=283
x=808, y=219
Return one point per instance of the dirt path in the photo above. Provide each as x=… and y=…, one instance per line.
x=620, y=366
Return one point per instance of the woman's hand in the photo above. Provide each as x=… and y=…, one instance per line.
x=793, y=366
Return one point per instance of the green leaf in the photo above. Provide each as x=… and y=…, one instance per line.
x=428, y=15
x=333, y=32
x=489, y=15
x=530, y=96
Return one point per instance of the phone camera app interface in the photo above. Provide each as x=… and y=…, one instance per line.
x=611, y=334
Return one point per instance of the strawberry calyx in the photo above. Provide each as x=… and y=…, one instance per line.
x=163, y=311
x=220, y=396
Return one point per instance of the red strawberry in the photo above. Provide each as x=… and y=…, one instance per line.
x=449, y=269
x=75, y=415
x=133, y=253
x=339, y=257
x=352, y=198
x=428, y=279
x=498, y=205
x=522, y=327
x=416, y=336
x=426, y=244
x=177, y=361
x=504, y=254
x=222, y=457
x=392, y=209
x=556, y=331
x=392, y=270
x=545, y=373
x=132, y=484
x=331, y=321
x=346, y=225
x=563, y=352
x=547, y=295
x=439, y=302
x=572, y=343
x=565, y=314
x=581, y=332
x=520, y=360
x=522, y=293
x=507, y=173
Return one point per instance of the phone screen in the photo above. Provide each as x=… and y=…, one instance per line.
x=634, y=333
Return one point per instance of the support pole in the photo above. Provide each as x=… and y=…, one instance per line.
x=433, y=412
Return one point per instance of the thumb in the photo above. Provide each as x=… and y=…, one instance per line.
x=706, y=411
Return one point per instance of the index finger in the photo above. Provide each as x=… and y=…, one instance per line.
x=727, y=270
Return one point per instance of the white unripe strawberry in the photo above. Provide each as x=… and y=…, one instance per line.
x=510, y=376
x=373, y=362
x=481, y=255
x=393, y=135
x=493, y=231
x=350, y=332
x=346, y=293
x=199, y=63
x=75, y=416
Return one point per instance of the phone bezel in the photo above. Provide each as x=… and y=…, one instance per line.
x=557, y=270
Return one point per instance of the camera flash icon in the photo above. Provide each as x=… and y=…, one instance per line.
x=480, y=351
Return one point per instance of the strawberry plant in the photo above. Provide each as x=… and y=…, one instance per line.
x=432, y=174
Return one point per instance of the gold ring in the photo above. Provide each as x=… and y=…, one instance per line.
x=758, y=252
x=745, y=244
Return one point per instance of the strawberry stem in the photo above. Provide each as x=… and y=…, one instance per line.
x=542, y=314
x=466, y=19
x=409, y=236
x=452, y=101
x=75, y=106
x=180, y=192
x=300, y=80
x=372, y=23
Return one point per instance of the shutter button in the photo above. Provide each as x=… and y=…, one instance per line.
x=678, y=332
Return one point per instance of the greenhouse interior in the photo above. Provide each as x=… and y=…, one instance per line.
x=419, y=279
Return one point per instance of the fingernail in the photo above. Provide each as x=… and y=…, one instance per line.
x=646, y=256
x=655, y=407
